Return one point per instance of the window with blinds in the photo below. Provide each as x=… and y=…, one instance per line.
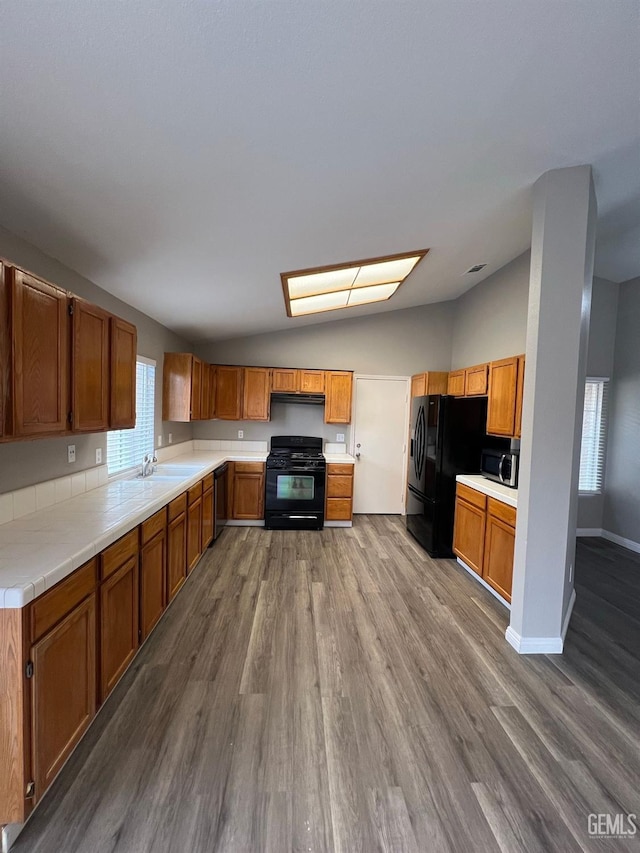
x=594, y=428
x=126, y=447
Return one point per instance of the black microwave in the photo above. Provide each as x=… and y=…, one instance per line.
x=501, y=467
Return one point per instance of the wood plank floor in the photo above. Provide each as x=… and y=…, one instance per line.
x=341, y=691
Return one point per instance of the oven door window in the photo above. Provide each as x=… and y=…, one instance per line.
x=295, y=487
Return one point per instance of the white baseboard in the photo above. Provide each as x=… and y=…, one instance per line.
x=483, y=583
x=567, y=615
x=10, y=833
x=620, y=540
x=534, y=645
x=338, y=524
x=589, y=531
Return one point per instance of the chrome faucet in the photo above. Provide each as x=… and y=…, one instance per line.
x=147, y=464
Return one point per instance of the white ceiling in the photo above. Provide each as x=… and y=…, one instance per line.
x=183, y=154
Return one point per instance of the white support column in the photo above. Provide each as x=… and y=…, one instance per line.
x=562, y=250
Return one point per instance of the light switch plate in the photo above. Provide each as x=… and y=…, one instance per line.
x=340, y=437
x=98, y=455
x=71, y=453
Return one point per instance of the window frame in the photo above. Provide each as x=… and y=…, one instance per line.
x=127, y=433
x=598, y=442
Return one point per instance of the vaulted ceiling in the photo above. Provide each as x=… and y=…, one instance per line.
x=183, y=155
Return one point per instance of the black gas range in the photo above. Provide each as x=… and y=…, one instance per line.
x=295, y=484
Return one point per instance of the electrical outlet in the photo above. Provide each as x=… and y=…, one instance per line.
x=98, y=456
x=240, y=433
x=71, y=453
x=340, y=437
x=159, y=441
x=170, y=438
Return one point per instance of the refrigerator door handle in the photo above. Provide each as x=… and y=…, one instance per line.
x=411, y=450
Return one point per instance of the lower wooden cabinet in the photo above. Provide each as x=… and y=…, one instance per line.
x=176, y=545
x=153, y=571
x=208, y=512
x=119, y=622
x=246, y=493
x=484, y=537
x=194, y=528
x=339, y=492
x=63, y=698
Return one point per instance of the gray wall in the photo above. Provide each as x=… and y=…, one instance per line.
x=490, y=320
x=602, y=336
x=23, y=463
x=622, y=483
x=286, y=419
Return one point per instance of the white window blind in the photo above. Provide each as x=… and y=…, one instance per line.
x=127, y=447
x=594, y=429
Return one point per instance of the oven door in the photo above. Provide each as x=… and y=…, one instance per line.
x=295, y=496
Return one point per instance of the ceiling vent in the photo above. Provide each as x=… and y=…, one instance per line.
x=475, y=268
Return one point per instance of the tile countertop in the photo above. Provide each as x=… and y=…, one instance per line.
x=494, y=490
x=340, y=457
x=39, y=550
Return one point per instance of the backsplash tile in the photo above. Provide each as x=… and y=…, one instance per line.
x=45, y=494
x=6, y=508
x=24, y=501
x=78, y=484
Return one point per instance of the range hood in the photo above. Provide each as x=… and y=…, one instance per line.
x=307, y=399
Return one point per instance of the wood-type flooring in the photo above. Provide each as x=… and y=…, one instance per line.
x=341, y=691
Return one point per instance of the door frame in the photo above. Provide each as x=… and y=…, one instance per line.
x=407, y=416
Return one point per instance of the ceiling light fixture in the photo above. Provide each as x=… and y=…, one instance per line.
x=329, y=288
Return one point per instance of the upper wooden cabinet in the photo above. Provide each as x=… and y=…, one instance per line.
x=90, y=367
x=38, y=381
x=503, y=391
x=124, y=349
x=455, y=384
x=430, y=382
x=312, y=381
x=257, y=394
x=476, y=380
x=229, y=392
x=519, y=396
x=337, y=407
x=181, y=387
x=286, y=380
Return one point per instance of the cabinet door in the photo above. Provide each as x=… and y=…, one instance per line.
x=519, y=395
x=90, y=368
x=285, y=379
x=213, y=378
x=468, y=534
x=40, y=326
x=194, y=533
x=500, y=540
x=257, y=391
x=176, y=387
x=64, y=691
x=196, y=389
x=124, y=349
x=229, y=393
x=248, y=495
x=419, y=385
x=455, y=384
x=436, y=382
x=118, y=624
x=312, y=381
x=207, y=518
x=337, y=408
x=153, y=569
x=475, y=380
x=177, y=554
x=205, y=397
x=501, y=408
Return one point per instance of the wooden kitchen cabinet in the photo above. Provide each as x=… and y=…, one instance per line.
x=119, y=616
x=90, y=367
x=429, y=382
x=499, y=545
x=194, y=525
x=285, y=380
x=338, y=389
x=503, y=389
x=519, y=396
x=257, y=394
x=455, y=383
x=124, y=350
x=229, y=392
x=205, y=391
x=38, y=380
x=181, y=387
x=469, y=527
x=153, y=571
x=176, y=545
x=208, y=512
x=476, y=380
x=339, y=493
x=311, y=381
x=247, y=490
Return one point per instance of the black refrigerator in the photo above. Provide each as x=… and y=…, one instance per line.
x=447, y=436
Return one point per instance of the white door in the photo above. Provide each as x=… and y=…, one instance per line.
x=379, y=436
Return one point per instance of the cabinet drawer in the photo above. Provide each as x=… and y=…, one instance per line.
x=339, y=486
x=471, y=496
x=501, y=510
x=178, y=506
x=248, y=467
x=338, y=509
x=117, y=554
x=50, y=608
x=195, y=492
x=340, y=468
x=207, y=482
x=152, y=526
